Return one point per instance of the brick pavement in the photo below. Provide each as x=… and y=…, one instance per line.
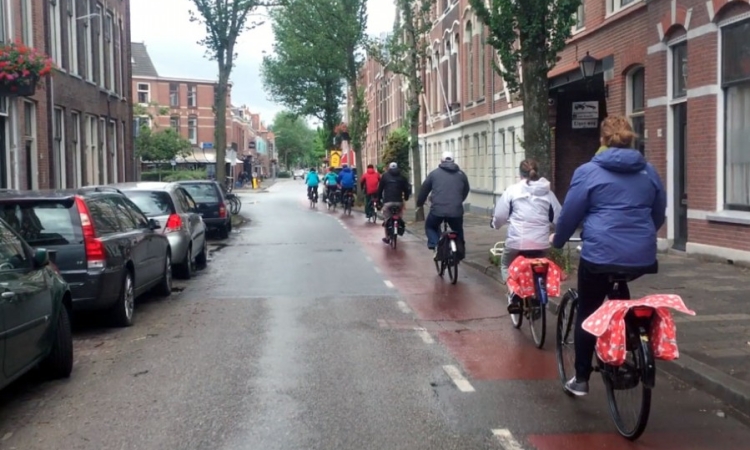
x=714, y=345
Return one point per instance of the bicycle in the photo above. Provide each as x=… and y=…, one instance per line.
x=235, y=204
x=348, y=202
x=313, y=196
x=393, y=225
x=372, y=215
x=228, y=184
x=639, y=367
x=332, y=199
x=447, y=254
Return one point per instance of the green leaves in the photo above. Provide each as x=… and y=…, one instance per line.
x=397, y=150
x=160, y=145
x=293, y=137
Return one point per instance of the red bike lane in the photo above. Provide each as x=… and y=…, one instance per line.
x=515, y=386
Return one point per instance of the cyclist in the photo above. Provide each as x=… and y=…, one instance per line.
x=393, y=190
x=621, y=201
x=331, y=183
x=530, y=207
x=370, y=181
x=450, y=188
x=312, y=180
x=346, y=181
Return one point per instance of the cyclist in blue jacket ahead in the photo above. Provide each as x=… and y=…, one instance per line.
x=331, y=182
x=621, y=201
x=346, y=180
x=312, y=180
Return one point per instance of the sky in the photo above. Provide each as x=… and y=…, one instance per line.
x=171, y=39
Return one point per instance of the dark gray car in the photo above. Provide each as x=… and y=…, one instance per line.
x=106, y=249
x=212, y=205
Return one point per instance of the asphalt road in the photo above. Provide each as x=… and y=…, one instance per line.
x=306, y=332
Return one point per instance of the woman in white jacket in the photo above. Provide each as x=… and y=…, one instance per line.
x=531, y=208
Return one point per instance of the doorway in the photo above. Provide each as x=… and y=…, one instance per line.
x=680, y=224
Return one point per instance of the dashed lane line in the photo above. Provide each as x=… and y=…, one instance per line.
x=458, y=379
x=421, y=332
x=388, y=283
x=507, y=441
x=403, y=307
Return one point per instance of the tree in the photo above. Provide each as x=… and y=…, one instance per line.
x=160, y=145
x=224, y=20
x=304, y=73
x=293, y=138
x=397, y=149
x=529, y=34
x=405, y=53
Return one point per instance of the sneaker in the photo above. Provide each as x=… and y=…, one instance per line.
x=386, y=240
x=514, y=304
x=577, y=388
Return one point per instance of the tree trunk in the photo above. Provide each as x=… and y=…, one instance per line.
x=535, y=96
x=220, y=133
x=416, y=157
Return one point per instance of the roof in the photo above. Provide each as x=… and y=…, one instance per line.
x=143, y=185
x=142, y=64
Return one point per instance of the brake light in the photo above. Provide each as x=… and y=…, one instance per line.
x=643, y=312
x=222, y=210
x=174, y=223
x=93, y=246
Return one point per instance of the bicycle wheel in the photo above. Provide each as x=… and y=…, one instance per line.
x=626, y=379
x=394, y=239
x=565, y=345
x=452, y=269
x=537, y=321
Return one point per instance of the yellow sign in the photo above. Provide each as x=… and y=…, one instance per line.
x=335, y=158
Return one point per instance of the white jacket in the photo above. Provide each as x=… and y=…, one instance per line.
x=530, y=209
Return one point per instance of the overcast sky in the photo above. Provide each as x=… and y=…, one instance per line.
x=171, y=39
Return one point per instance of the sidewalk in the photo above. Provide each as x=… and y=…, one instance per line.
x=714, y=344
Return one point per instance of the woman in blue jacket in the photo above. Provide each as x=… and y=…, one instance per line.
x=620, y=200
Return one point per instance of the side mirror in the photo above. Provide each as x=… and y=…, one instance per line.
x=154, y=224
x=41, y=257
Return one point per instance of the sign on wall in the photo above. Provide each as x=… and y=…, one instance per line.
x=585, y=115
x=335, y=159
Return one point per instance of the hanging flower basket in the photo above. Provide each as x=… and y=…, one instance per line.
x=21, y=69
x=342, y=132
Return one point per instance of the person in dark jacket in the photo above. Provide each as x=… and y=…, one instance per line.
x=393, y=190
x=621, y=201
x=450, y=188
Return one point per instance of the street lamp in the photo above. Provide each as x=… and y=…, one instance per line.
x=587, y=65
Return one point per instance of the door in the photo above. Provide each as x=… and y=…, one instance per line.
x=680, y=177
x=136, y=240
x=188, y=210
x=157, y=242
x=25, y=304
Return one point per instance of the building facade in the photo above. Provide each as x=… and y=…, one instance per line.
x=74, y=130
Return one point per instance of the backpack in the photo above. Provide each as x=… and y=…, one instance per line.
x=444, y=249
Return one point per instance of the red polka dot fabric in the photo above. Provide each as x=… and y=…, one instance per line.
x=521, y=277
x=608, y=325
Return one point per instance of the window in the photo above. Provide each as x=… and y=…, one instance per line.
x=192, y=96
x=120, y=62
x=174, y=122
x=579, y=18
x=104, y=215
x=174, y=94
x=77, y=162
x=193, y=130
x=3, y=22
x=108, y=33
x=72, y=36
x=144, y=93
x=90, y=154
x=482, y=63
x=636, y=105
x=735, y=76
x=30, y=147
x=102, y=155
x=43, y=224
x=454, y=69
x=679, y=70
x=469, y=39
x=55, y=35
x=58, y=152
x=614, y=6
x=100, y=41
x=112, y=149
x=13, y=254
x=27, y=27
x=88, y=41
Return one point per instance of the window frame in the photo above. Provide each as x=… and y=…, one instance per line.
x=72, y=31
x=174, y=95
x=59, y=150
x=616, y=6
x=639, y=115
x=146, y=91
x=55, y=31
x=469, y=41
x=192, y=95
x=193, y=129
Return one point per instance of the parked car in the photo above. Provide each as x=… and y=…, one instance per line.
x=35, y=307
x=299, y=173
x=175, y=209
x=106, y=249
x=212, y=205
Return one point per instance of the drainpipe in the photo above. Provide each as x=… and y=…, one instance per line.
x=494, y=137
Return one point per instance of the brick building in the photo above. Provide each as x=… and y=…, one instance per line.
x=385, y=101
x=75, y=130
x=693, y=120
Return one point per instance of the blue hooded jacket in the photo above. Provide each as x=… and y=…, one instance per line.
x=620, y=199
x=312, y=179
x=346, y=178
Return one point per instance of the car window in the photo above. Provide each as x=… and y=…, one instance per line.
x=12, y=252
x=140, y=218
x=42, y=224
x=104, y=214
x=152, y=203
x=189, y=200
x=202, y=192
x=124, y=215
x=179, y=194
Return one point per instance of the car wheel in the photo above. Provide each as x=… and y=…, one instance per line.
x=124, y=309
x=165, y=285
x=202, y=259
x=59, y=362
x=185, y=269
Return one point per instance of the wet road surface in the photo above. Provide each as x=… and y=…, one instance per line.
x=306, y=332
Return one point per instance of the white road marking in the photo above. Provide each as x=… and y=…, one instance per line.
x=388, y=283
x=403, y=307
x=368, y=258
x=507, y=441
x=461, y=383
x=424, y=335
